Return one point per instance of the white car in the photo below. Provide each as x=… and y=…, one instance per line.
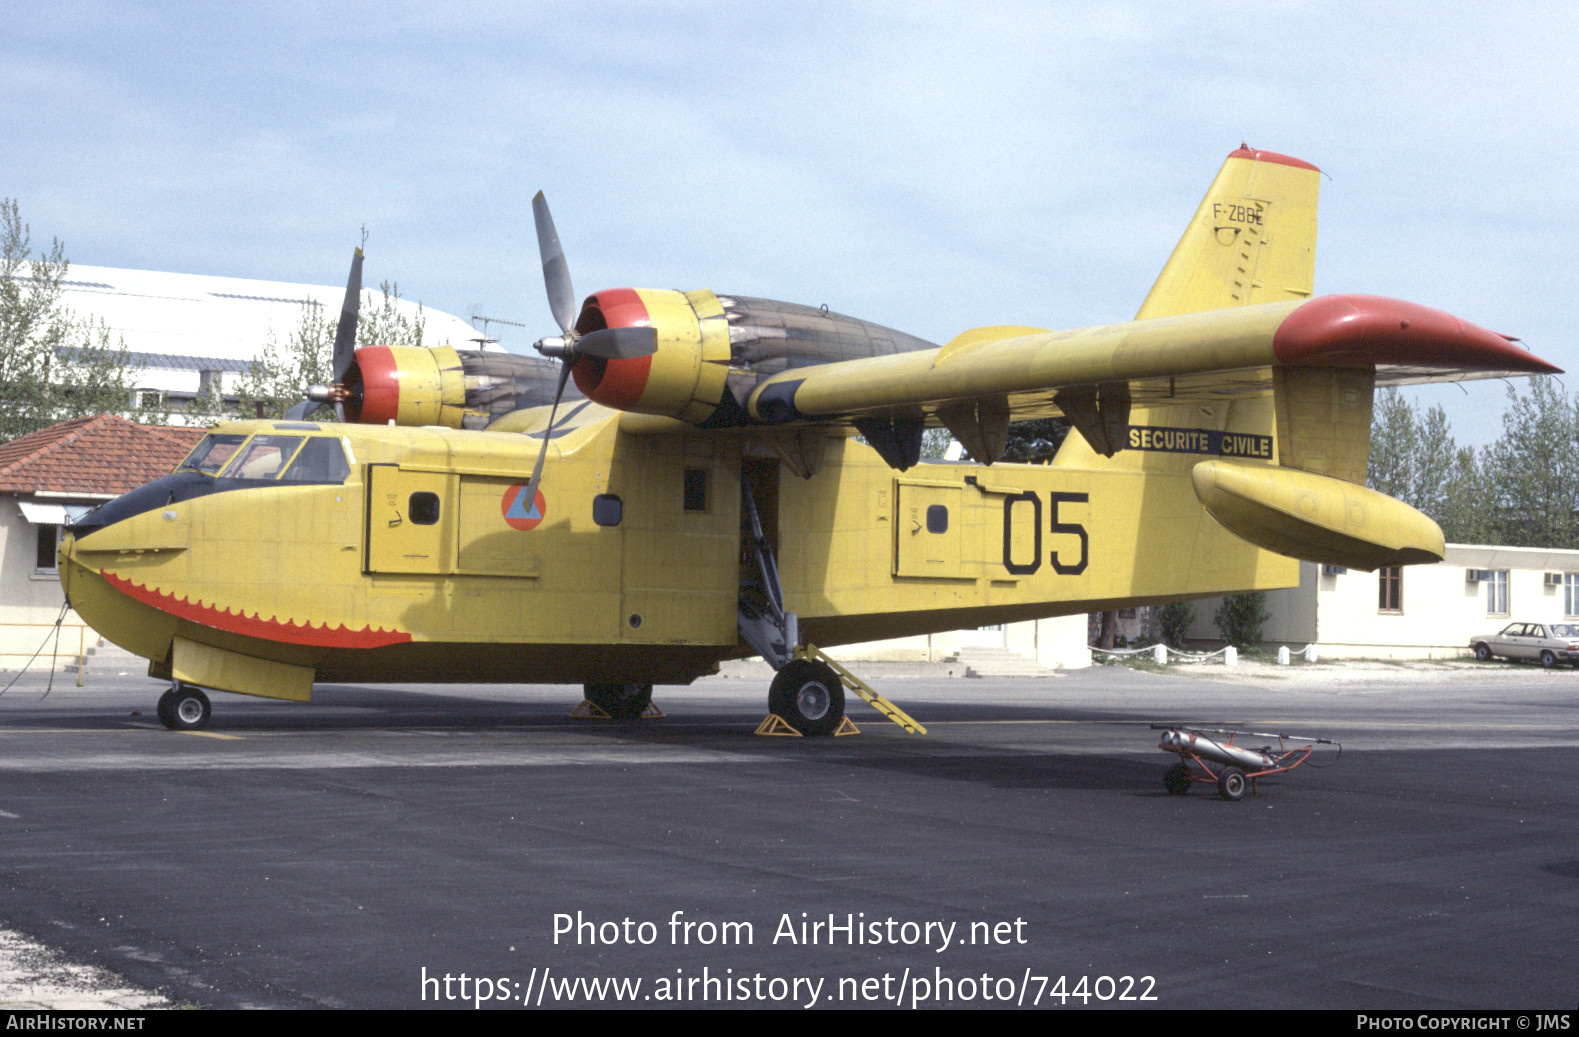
x=1551, y=643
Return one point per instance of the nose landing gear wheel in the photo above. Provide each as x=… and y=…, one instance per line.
x=809, y=696
x=626, y=701
x=184, y=708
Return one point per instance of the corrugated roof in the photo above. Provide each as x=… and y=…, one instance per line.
x=97, y=455
x=174, y=362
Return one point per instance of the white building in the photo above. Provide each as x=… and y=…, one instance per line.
x=190, y=331
x=1416, y=611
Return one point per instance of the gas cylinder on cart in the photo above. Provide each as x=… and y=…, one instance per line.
x=1193, y=742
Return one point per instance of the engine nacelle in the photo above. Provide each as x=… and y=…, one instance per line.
x=713, y=349
x=684, y=378
x=456, y=388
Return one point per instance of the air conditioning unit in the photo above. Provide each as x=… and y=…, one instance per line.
x=1554, y=579
x=1333, y=570
x=1476, y=575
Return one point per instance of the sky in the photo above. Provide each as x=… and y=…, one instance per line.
x=932, y=167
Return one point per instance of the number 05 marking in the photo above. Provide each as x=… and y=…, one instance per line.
x=1053, y=499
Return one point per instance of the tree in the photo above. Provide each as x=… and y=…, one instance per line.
x=280, y=375
x=1536, y=464
x=1175, y=618
x=1395, y=447
x=935, y=443
x=1416, y=460
x=52, y=367
x=1468, y=514
x=1240, y=618
x=1035, y=441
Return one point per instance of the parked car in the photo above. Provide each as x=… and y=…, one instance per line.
x=1551, y=643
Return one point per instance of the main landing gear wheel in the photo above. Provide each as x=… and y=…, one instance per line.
x=625, y=701
x=1177, y=779
x=1231, y=784
x=809, y=696
x=185, y=708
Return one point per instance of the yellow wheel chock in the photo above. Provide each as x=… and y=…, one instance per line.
x=588, y=710
x=774, y=724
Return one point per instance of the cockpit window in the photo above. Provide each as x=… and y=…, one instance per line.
x=320, y=460
x=211, y=454
x=263, y=457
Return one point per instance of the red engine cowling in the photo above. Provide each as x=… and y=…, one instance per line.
x=470, y=388
x=708, y=344
x=684, y=378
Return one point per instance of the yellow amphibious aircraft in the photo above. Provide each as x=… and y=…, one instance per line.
x=705, y=496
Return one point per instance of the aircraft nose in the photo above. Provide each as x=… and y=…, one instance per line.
x=160, y=493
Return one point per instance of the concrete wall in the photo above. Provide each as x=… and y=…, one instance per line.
x=1293, y=611
x=1059, y=643
x=1442, y=611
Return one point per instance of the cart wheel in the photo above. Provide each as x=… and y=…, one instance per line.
x=1231, y=783
x=1177, y=779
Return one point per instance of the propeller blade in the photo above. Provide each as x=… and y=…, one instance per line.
x=301, y=411
x=618, y=343
x=556, y=273
x=345, y=332
x=537, y=469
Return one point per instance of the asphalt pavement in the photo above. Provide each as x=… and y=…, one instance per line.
x=371, y=849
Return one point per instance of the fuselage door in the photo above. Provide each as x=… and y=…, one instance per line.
x=929, y=529
x=410, y=521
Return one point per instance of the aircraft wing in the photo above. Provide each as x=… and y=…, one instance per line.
x=1092, y=375
x=1220, y=352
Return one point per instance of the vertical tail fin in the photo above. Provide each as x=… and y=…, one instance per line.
x=1252, y=240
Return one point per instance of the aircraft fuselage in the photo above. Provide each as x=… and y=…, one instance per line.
x=422, y=563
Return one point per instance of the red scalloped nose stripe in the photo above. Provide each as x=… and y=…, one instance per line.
x=290, y=632
x=1270, y=156
x=380, y=385
x=1364, y=330
x=616, y=383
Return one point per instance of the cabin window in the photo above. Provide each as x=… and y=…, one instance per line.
x=321, y=460
x=210, y=455
x=696, y=489
x=424, y=508
x=262, y=458
x=937, y=518
x=1390, y=589
x=607, y=509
